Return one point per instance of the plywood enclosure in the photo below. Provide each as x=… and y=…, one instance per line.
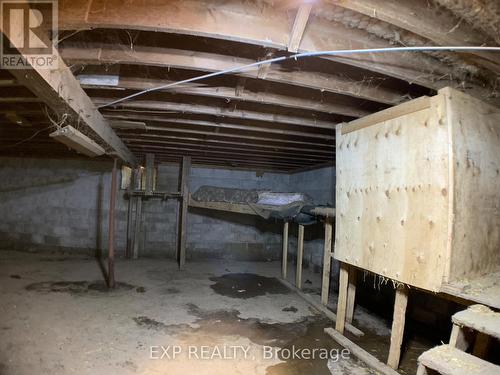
x=417, y=191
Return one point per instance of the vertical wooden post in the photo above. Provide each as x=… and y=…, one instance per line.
x=111, y=229
x=351, y=294
x=398, y=327
x=342, y=301
x=457, y=338
x=186, y=170
x=149, y=186
x=137, y=229
x=300, y=256
x=130, y=226
x=327, y=259
x=284, y=260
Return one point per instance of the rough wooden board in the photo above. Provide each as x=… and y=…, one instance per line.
x=479, y=318
x=223, y=206
x=450, y=361
x=360, y=353
x=475, y=133
x=393, y=179
x=483, y=289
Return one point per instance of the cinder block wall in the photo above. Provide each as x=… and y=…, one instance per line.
x=54, y=205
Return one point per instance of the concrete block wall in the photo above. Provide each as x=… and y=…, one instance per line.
x=63, y=205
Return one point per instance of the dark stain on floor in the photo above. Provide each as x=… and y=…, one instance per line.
x=247, y=285
x=172, y=291
x=15, y=277
x=77, y=287
x=290, y=309
x=146, y=322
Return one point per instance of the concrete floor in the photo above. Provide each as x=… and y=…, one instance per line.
x=58, y=318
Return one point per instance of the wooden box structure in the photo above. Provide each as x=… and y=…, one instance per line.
x=418, y=191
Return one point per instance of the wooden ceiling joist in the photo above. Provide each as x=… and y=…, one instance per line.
x=61, y=91
x=209, y=62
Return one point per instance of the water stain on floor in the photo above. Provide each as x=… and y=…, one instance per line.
x=247, y=285
x=77, y=287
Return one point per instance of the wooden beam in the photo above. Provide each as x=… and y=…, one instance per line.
x=398, y=327
x=425, y=21
x=351, y=294
x=137, y=228
x=264, y=25
x=284, y=259
x=299, y=26
x=61, y=91
x=327, y=258
x=185, y=172
x=341, y=105
x=150, y=160
x=342, y=299
x=300, y=257
x=209, y=62
x=218, y=111
x=145, y=137
x=216, y=126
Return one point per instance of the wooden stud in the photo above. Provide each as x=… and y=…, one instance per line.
x=351, y=294
x=130, y=226
x=327, y=258
x=300, y=256
x=284, y=260
x=342, y=299
x=150, y=159
x=457, y=338
x=186, y=170
x=137, y=229
x=299, y=26
x=398, y=326
x=421, y=370
x=111, y=228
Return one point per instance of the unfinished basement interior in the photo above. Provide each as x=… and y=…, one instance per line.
x=274, y=187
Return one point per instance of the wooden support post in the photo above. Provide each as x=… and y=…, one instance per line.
x=150, y=160
x=111, y=229
x=284, y=260
x=458, y=339
x=351, y=294
x=327, y=258
x=342, y=300
x=186, y=170
x=300, y=256
x=398, y=327
x=130, y=227
x=137, y=229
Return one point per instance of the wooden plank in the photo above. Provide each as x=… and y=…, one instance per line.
x=342, y=299
x=138, y=228
x=284, y=259
x=299, y=26
x=150, y=160
x=327, y=258
x=340, y=105
x=447, y=360
x=388, y=114
x=185, y=172
x=223, y=206
x=300, y=257
x=398, y=327
x=360, y=353
x=130, y=226
x=61, y=91
x=351, y=294
x=209, y=62
x=436, y=26
x=318, y=306
x=457, y=338
x=479, y=318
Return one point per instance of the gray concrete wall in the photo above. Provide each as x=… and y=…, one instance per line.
x=55, y=205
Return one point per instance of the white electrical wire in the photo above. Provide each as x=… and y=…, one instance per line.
x=299, y=56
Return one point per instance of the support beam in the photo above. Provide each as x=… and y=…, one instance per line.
x=351, y=294
x=137, y=229
x=186, y=171
x=209, y=62
x=327, y=258
x=111, y=228
x=398, y=327
x=284, y=259
x=342, y=299
x=61, y=91
x=300, y=257
x=150, y=161
x=299, y=25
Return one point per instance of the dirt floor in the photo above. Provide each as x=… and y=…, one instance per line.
x=219, y=317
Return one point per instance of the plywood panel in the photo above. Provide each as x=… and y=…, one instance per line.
x=475, y=244
x=393, y=197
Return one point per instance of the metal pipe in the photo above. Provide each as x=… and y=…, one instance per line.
x=111, y=231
